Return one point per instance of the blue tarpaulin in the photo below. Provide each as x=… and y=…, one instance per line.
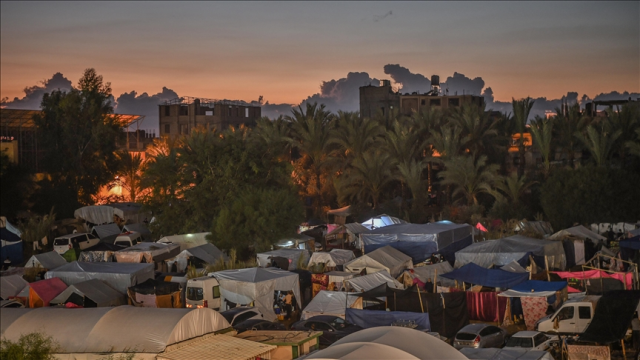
x=373, y=318
x=474, y=274
x=538, y=286
x=631, y=243
x=12, y=251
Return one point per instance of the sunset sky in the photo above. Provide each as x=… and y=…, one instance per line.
x=285, y=50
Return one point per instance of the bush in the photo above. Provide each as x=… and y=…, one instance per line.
x=34, y=346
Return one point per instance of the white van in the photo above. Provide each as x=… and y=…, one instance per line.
x=203, y=292
x=80, y=241
x=572, y=317
x=128, y=239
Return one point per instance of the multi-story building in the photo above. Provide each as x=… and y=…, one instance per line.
x=182, y=115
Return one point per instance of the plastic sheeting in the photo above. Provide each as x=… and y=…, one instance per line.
x=417, y=343
x=385, y=258
x=49, y=260
x=103, y=214
x=7, y=225
x=361, y=350
x=43, y=291
x=257, y=285
x=101, y=252
x=619, y=305
x=625, y=278
x=474, y=274
x=208, y=253
x=95, y=290
x=513, y=267
x=140, y=228
x=381, y=221
x=11, y=286
x=151, y=252
x=505, y=354
x=333, y=258
x=106, y=231
x=11, y=250
x=373, y=318
x=119, y=276
x=535, y=288
x=332, y=303
x=186, y=241
x=577, y=231
x=112, y=329
x=428, y=272
x=513, y=248
x=370, y=281
x=264, y=259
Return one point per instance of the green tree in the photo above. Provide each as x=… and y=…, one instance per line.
x=634, y=145
x=36, y=228
x=468, y=176
x=447, y=141
x=567, y=124
x=33, y=346
x=78, y=131
x=130, y=168
x=521, y=110
x=600, y=140
x=479, y=129
x=17, y=186
x=275, y=134
x=368, y=178
x=509, y=189
x=542, y=136
x=627, y=121
x=353, y=136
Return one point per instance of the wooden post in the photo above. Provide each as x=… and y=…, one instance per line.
x=456, y=284
x=624, y=351
x=420, y=298
x=546, y=265
x=435, y=284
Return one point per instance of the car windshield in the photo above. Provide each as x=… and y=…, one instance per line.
x=465, y=336
x=523, y=342
x=339, y=323
x=59, y=242
x=194, y=293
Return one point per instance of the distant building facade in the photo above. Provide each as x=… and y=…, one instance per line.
x=181, y=116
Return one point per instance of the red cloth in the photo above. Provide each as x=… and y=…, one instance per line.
x=484, y=306
x=596, y=274
x=319, y=282
x=534, y=309
x=71, y=305
x=47, y=289
x=481, y=228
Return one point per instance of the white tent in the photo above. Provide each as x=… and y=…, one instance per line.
x=103, y=214
x=186, y=241
x=384, y=258
x=368, y=282
x=6, y=224
x=119, y=276
x=256, y=285
x=331, y=303
x=338, y=278
x=95, y=290
x=87, y=333
x=151, y=252
x=140, y=228
x=49, y=260
x=208, y=253
x=381, y=221
x=333, y=258
x=11, y=286
x=264, y=259
x=415, y=343
x=505, y=354
x=579, y=232
x=361, y=350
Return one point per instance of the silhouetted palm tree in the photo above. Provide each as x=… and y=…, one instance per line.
x=353, y=136
x=521, y=110
x=509, y=189
x=542, y=136
x=447, y=141
x=627, y=120
x=600, y=139
x=567, y=125
x=468, y=176
x=479, y=130
x=130, y=169
x=367, y=178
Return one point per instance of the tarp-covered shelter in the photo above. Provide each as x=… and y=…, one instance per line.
x=186, y=241
x=501, y=252
x=505, y=354
x=573, y=240
x=534, y=297
x=373, y=318
x=298, y=241
x=10, y=286
x=332, y=303
x=43, y=291
x=619, y=305
x=370, y=281
x=101, y=252
x=385, y=258
x=579, y=232
x=119, y=276
x=150, y=252
x=541, y=227
x=103, y=214
x=49, y=260
x=416, y=343
x=198, y=256
x=535, y=288
x=106, y=232
x=90, y=293
x=331, y=259
x=94, y=332
x=361, y=350
x=11, y=244
x=257, y=286
x=155, y=293
x=338, y=278
x=420, y=240
x=140, y=228
x=290, y=257
x=429, y=272
x=495, y=278
x=381, y=221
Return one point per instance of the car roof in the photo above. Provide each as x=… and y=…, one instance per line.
x=473, y=328
x=238, y=310
x=323, y=318
x=252, y=321
x=526, y=334
x=201, y=278
x=68, y=236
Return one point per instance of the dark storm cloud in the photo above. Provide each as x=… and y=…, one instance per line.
x=33, y=94
x=408, y=81
x=460, y=84
x=144, y=104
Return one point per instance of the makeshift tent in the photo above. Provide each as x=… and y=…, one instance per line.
x=420, y=240
x=10, y=286
x=385, y=258
x=486, y=306
x=337, y=278
x=107, y=232
x=477, y=275
x=505, y=354
x=417, y=343
x=119, y=276
x=331, y=259
x=256, y=285
x=101, y=252
x=373, y=318
x=513, y=267
x=535, y=297
x=541, y=227
x=299, y=241
x=513, y=248
x=11, y=250
x=49, y=260
x=150, y=252
x=332, y=303
x=428, y=272
x=199, y=255
x=103, y=214
x=381, y=221
x=291, y=255
x=90, y=293
x=370, y=281
x=94, y=332
x=340, y=215
x=619, y=305
x=155, y=293
x=225, y=347
x=43, y=291
x=140, y=228
x=579, y=232
x=186, y=241
x=536, y=288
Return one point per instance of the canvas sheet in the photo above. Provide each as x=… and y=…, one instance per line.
x=96, y=290
x=385, y=258
x=485, y=306
x=186, y=241
x=49, y=260
x=429, y=272
x=625, y=278
x=331, y=303
x=373, y=318
x=577, y=231
x=106, y=231
x=119, y=276
x=535, y=288
x=442, y=234
x=332, y=259
x=370, y=281
x=152, y=252
x=474, y=274
x=11, y=286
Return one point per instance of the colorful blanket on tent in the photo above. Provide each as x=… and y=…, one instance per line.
x=625, y=278
x=534, y=309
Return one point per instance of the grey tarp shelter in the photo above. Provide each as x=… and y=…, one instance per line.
x=150, y=252
x=207, y=253
x=119, y=276
x=140, y=228
x=513, y=248
x=95, y=290
x=98, y=332
x=370, y=281
x=256, y=285
x=264, y=259
x=331, y=259
x=107, y=232
x=331, y=303
x=103, y=214
x=385, y=258
x=11, y=286
x=49, y=260
x=429, y=272
x=186, y=241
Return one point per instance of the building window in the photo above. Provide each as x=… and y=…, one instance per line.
x=422, y=102
x=382, y=108
x=208, y=113
x=184, y=110
x=229, y=110
x=434, y=102
x=246, y=112
x=454, y=102
x=167, y=110
x=167, y=128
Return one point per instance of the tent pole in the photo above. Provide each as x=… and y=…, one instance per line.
x=456, y=284
x=435, y=285
x=420, y=298
x=546, y=265
x=584, y=280
x=624, y=351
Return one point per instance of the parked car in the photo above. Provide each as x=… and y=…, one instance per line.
x=203, y=292
x=333, y=328
x=10, y=304
x=532, y=340
x=240, y=314
x=258, y=324
x=479, y=336
x=128, y=239
x=81, y=241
